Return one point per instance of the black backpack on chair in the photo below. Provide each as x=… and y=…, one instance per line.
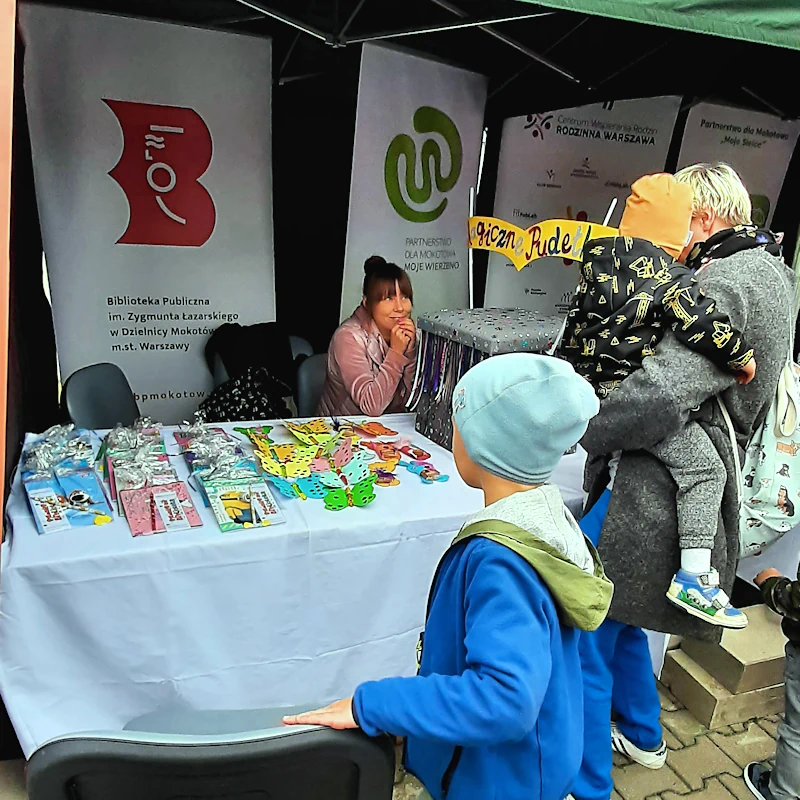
x=254, y=395
x=256, y=370
x=239, y=347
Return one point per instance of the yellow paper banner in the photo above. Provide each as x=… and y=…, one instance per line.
x=563, y=238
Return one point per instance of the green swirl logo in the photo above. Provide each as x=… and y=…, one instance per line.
x=426, y=120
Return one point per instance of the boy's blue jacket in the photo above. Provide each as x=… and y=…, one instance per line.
x=497, y=708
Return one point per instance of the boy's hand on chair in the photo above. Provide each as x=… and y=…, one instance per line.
x=338, y=715
x=746, y=373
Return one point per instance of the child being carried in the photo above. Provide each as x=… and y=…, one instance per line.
x=631, y=290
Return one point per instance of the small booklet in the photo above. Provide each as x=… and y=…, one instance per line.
x=156, y=509
x=239, y=504
x=49, y=514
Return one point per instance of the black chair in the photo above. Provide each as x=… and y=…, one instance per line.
x=300, y=348
x=277, y=763
x=99, y=397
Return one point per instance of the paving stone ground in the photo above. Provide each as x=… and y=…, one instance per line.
x=701, y=764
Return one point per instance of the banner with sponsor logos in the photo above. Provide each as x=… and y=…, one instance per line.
x=415, y=158
x=154, y=186
x=758, y=146
x=570, y=163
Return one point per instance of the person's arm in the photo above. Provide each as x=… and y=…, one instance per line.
x=498, y=696
x=371, y=393
x=411, y=354
x=779, y=593
x=699, y=324
x=569, y=348
x=651, y=404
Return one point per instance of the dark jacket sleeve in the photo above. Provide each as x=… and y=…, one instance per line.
x=569, y=349
x=783, y=597
x=699, y=324
x=673, y=381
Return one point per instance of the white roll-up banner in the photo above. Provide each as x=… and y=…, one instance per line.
x=570, y=164
x=758, y=146
x=417, y=146
x=152, y=163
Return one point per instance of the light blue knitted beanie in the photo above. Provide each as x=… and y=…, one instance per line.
x=518, y=413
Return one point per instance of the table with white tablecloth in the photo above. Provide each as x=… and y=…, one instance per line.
x=99, y=627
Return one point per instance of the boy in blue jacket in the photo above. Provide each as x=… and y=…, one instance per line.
x=497, y=707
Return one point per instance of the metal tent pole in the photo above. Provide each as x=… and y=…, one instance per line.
x=8, y=18
x=443, y=27
x=304, y=27
x=546, y=62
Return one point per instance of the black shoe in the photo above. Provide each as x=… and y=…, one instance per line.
x=756, y=777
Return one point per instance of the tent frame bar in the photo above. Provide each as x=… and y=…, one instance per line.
x=509, y=80
x=532, y=54
x=443, y=27
x=341, y=40
x=303, y=27
x=346, y=27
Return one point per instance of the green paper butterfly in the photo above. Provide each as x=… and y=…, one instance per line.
x=360, y=494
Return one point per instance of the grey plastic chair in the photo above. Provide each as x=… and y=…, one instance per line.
x=99, y=397
x=310, y=382
x=270, y=763
x=300, y=347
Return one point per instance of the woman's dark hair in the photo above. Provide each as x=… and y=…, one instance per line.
x=380, y=278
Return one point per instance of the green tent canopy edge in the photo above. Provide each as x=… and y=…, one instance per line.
x=771, y=22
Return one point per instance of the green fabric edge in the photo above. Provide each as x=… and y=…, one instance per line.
x=583, y=600
x=749, y=24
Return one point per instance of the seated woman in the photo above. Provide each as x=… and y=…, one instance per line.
x=372, y=356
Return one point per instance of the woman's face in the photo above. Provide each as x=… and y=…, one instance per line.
x=389, y=311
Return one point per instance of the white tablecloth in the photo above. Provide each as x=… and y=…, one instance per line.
x=99, y=627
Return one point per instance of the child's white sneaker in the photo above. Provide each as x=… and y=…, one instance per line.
x=700, y=596
x=651, y=759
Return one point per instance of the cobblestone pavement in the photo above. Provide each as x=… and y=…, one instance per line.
x=701, y=764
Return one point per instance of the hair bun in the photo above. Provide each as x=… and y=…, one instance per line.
x=373, y=263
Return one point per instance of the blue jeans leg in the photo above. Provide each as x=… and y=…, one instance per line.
x=634, y=696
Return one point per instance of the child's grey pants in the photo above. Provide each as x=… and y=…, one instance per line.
x=696, y=467
x=785, y=782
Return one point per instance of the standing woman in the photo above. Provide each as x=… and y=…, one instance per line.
x=372, y=356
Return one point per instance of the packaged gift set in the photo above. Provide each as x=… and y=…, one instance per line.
x=59, y=478
x=451, y=342
x=227, y=477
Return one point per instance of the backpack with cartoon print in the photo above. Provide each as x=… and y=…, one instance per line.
x=769, y=491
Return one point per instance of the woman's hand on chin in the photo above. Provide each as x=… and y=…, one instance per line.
x=411, y=329
x=400, y=338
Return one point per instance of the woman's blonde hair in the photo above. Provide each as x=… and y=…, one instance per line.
x=719, y=189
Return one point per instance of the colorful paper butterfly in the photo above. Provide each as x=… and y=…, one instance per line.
x=386, y=450
x=352, y=473
x=384, y=466
x=302, y=487
x=426, y=471
x=258, y=436
x=288, y=463
x=360, y=495
x=415, y=453
x=373, y=428
x=385, y=478
x=316, y=432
